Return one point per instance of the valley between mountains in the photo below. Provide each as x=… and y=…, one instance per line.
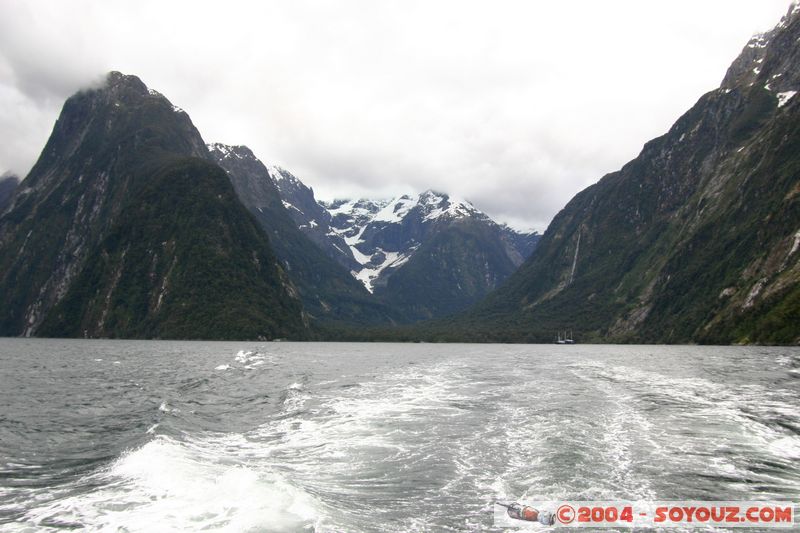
x=132, y=225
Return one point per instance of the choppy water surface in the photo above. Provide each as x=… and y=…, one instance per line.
x=146, y=436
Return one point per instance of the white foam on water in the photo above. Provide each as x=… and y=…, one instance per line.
x=622, y=430
x=222, y=367
x=295, y=398
x=242, y=356
x=711, y=420
x=787, y=447
x=357, y=444
x=165, y=408
x=363, y=417
x=249, y=360
x=167, y=485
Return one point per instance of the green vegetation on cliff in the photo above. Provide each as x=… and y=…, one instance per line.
x=185, y=260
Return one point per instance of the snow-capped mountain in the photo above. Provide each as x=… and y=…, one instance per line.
x=328, y=292
x=384, y=235
x=349, y=216
x=424, y=255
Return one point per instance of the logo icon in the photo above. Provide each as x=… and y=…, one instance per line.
x=527, y=513
x=565, y=514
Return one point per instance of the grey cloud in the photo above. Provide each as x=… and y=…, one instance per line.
x=514, y=105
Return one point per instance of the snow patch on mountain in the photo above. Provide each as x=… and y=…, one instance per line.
x=355, y=239
x=784, y=97
x=340, y=208
x=447, y=206
x=279, y=175
x=287, y=205
x=226, y=150
x=373, y=269
x=377, y=231
x=759, y=40
x=395, y=210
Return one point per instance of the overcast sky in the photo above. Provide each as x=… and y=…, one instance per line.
x=515, y=105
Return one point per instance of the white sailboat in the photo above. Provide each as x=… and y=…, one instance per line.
x=566, y=339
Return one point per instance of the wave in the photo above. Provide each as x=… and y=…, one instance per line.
x=183, y=486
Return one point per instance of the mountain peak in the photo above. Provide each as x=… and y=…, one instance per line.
x=794, y=9
x=123, y=182
x=395, y=210
x=430, y=193
x=284, y=180
x=122, y=88
x=8, y=183
x=441, y=205
x=117, y=80
x=769, y=58
x=226, y=151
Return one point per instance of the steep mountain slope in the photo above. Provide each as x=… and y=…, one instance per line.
x=8, y=183
x=184, y=260
x=123, y=229
x=311, y=217
x=696, y=239
x=455, y=267
x=347, y=220
x=328, y=291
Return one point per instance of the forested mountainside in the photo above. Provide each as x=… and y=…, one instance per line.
x=124, y=229
x=695, y=240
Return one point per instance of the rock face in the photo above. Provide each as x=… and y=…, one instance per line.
x=695, y=240
x=124, y=229
x=8, y=184
x=311, y=217
x=328, y=291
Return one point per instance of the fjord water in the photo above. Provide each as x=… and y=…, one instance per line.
x=146, y=436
